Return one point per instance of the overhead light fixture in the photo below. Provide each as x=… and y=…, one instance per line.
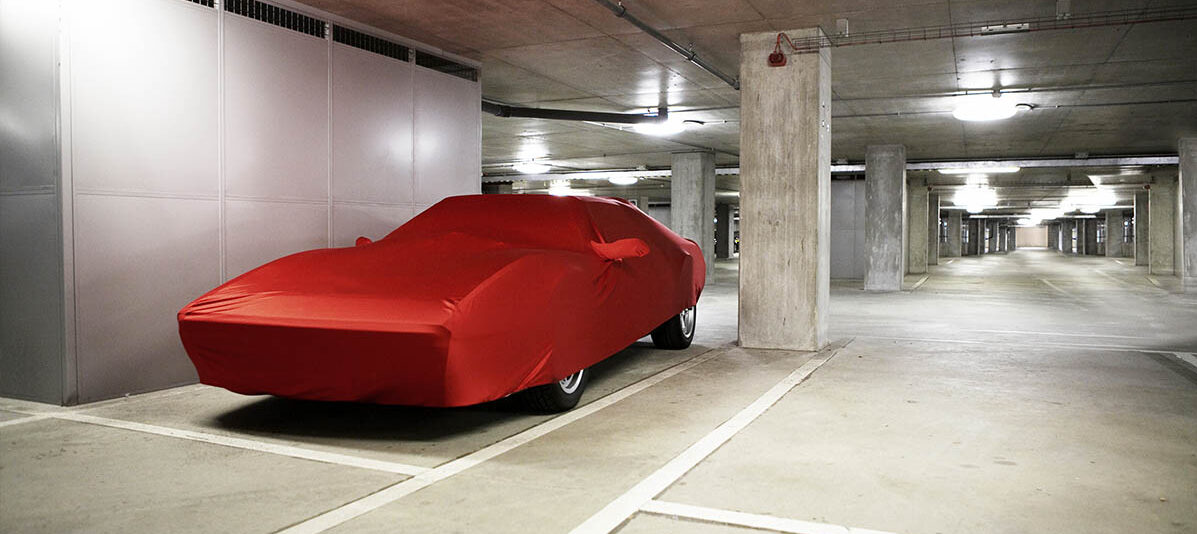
x=623, y=180
x=984, y=108
x=660, y=128
x=531, y=167
x=975, y=170
x=975, y=199
x=977, y=179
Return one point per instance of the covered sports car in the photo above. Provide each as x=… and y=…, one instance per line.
x=474, y=299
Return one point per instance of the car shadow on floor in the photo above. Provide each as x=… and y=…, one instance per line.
x=280, y=417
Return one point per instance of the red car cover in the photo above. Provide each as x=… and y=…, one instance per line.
x=474, y=299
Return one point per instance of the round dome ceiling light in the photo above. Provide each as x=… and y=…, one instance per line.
x=984, y=108
x=623, y=180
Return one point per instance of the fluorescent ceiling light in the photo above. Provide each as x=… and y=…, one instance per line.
x=623, y=180
x=977, y=179
x=531, y=167
x=984, y=108
x=660, y=128
x=975, y=170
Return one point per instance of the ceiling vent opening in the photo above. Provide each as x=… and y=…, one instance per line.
x=284, y=18
x=448, y=67
x=369, y=43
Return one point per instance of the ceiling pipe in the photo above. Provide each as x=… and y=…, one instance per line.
x=504, y=110
x=622, y=12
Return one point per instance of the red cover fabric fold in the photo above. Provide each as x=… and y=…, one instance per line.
x=474, y=299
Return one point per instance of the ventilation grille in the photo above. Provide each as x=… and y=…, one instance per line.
x=207, y=3
x=447, y=67
x=369, y=43
x=277, y=16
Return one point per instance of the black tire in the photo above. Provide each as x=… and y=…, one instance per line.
x=678, y=331
x=558, y=396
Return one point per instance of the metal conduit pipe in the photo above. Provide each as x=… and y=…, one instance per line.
x=622, y=12
x=504, y=110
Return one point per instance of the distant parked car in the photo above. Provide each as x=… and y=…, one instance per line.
x=474, y=299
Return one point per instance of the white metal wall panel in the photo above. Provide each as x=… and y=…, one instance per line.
x=847, y=229
x=28, y=97
x=448, y=136
x=371, y=127
x=31, y=294
x=257, y=232
x=137, y=262
x=143, y=92
x=275, y=112
x=31, y=327
x=351, y=221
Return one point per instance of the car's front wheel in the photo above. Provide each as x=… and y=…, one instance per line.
x=558, y=396
x=678, y=331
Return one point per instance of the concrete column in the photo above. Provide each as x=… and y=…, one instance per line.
x=1162, y=211
x=1012, y=237
x=1114, y=233
x=918, y=236
x=975, y=235
x=953, y=246
x=692, y=203
x=1188, y=212
x=993, y=235
x=785, y=195
x=723, y=235
x=1053, y=236
x=933, y=223
x=1090, y=237
x=1079, y=224
x=1066, y=228
x=1003, y=238
x=1141, y=226
x=885, y=217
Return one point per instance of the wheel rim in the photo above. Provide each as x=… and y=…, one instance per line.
x=687, y=317
x=570, y=383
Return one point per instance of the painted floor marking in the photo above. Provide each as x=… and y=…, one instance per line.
x=1025, y=332
x=26, y=419
x=1187, y=357
x=742, y=519
x=920, y=283
x=622, y=508
x=1053, y=286
x=239, y=443
x=1116, y=348
x=390, y=494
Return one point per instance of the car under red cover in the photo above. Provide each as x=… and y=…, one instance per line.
x=474, y=299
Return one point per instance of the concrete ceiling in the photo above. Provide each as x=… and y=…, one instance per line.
x=1112, y=90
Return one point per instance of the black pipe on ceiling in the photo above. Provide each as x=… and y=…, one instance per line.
x=622, y=12
x=504, y=110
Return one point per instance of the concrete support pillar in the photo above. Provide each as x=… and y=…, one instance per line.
x=1066, y=228
x=1114, y=233
x=1162, y=211
x=1141, y=227
x=933, y=223
x=993, y=236
x=785, y=195
x=1012, y=238
x=723, y=235
x=1053, y=236
x=885, y=217
x=692, y=204
x=1080, y=236
x=1188, y=212
x=918, y=235
x=1003, y=238
x=1090, y=237
x=954, y=244
x=975, y=235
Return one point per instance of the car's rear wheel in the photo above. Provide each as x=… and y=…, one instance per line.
x=678, y=331
x=558, y=396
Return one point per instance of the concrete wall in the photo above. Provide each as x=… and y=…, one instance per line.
x=203, y=144
x=1030, y=236
x=847, y=229
x=31, y=283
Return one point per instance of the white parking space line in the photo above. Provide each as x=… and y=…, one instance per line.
x=920, y=283
x=388, y=495
x=1029, y=332
x=1037, y=344
x=239, y=443
x=757, y=521
x=26, y=419
x=1187, y=357
x=619, y=510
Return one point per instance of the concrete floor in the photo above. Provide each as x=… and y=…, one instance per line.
x=1029, y=392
